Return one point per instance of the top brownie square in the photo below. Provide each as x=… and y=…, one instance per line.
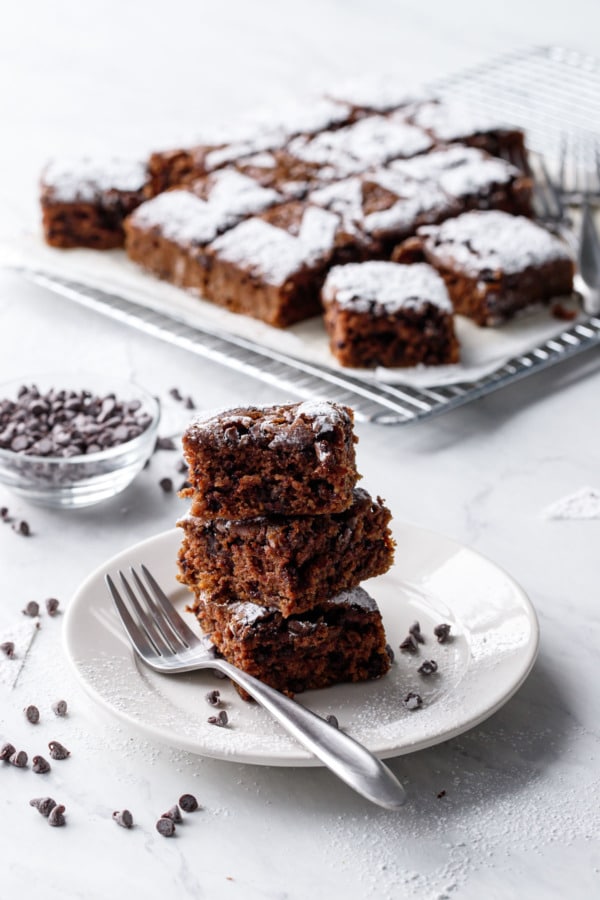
x=295, y=459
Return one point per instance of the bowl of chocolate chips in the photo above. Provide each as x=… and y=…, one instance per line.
x=64, y=445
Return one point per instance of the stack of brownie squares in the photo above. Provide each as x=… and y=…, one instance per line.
x=277, y=542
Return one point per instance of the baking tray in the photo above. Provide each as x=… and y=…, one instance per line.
x=549, y=91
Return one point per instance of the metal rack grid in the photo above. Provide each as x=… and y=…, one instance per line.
x=548, y=90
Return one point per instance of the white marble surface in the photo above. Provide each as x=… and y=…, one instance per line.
x=520, y=817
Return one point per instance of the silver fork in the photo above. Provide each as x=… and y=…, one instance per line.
x=164, y=642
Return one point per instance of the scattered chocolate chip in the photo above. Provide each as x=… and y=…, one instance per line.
x=332, y=720
x=213, y=697
x=6, y=751
x=8, y=648
x=165, y=826
x=32, y=714
x=4, y=513
x=390, y=652
x=413, y=701
x=166, y=485
x=189, y=403
x=182, y=466
x=44, y=805
x=52, y=605
x=165, y=443
x=184, y=486
x=19, y=759
x=22, y=528
x=442, y=632
x=221, y=720
x=441, y=794
x=415, y=630
x=410, y=644
x=59, y=708
x=175, y=394
x=40, y=765
x=174, y=814
x=188, y=803
x=32, y=609
x=57, y=751
x=57, y=816
x=428, y=667
x=123, y=818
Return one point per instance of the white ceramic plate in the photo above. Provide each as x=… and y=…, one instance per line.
x=494, y=645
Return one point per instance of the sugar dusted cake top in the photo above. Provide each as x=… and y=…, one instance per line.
x=246, y=613
x=237, y=194
x=322, y=414
x=182, y=217
x=457, y=170
x=85, y=180
x=450, y=121
x=492, y=240
x=385, y=287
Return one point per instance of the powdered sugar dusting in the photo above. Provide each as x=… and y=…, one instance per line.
x=492, y=240
x=85, y=180
x=368, y=142
x=181, y=217
x=365, y=287
x=21, y=635
x=238, y=195
x=459, y=171
x=451, y=121
x=583, y=504
x=356, y=597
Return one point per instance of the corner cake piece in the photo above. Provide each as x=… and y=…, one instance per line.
x=287, y=562
x=295, y=459
x=85, y=201
x=167, y=234
x=340, y=640
x=272, y=266
x=494, y=264
x=453, y=122
x=386, y=314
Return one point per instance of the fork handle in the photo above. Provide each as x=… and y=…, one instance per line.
x=348, y=759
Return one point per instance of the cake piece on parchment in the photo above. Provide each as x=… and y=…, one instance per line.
x=494, y=264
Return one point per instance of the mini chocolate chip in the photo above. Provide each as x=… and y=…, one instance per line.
x=165, y=826
x=174, y=814
x=428, y=667
x=57, y=816
x=332, y=720
x=390, y=653
x=57, y=751
x=182, y=466
x=188, y=803
x=18, y=759
x=40, y=765
x=220, y=720
x=410, y=643
x=52, y=605
x=166, y=485
x=413, y=701
x=22, y=528
x=4, y=513
x=441, y=794
x=442, y=632
x=165, y=443
x=44, y=805
x=123, y=818
x=415, y=630
x=59, y=708
x=189, y=403
x=32, y=714
x=213, y=697
x=32, y=609
x=184, y=486
x=8, y=648
x=6, y=751
x=175, y=394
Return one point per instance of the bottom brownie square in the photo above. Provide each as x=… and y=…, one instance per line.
x=341, y=640
x=387, y=314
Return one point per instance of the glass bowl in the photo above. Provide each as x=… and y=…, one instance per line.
x=83, y=479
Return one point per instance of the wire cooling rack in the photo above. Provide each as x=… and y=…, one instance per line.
x=548, y=91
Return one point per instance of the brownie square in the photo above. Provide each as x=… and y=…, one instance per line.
x=340, y=640
x=294, y=459
x=386, y=314
x=272, y=266
x=287, y=562
x=449, y=121
x=85, y=201
x=494, y=264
